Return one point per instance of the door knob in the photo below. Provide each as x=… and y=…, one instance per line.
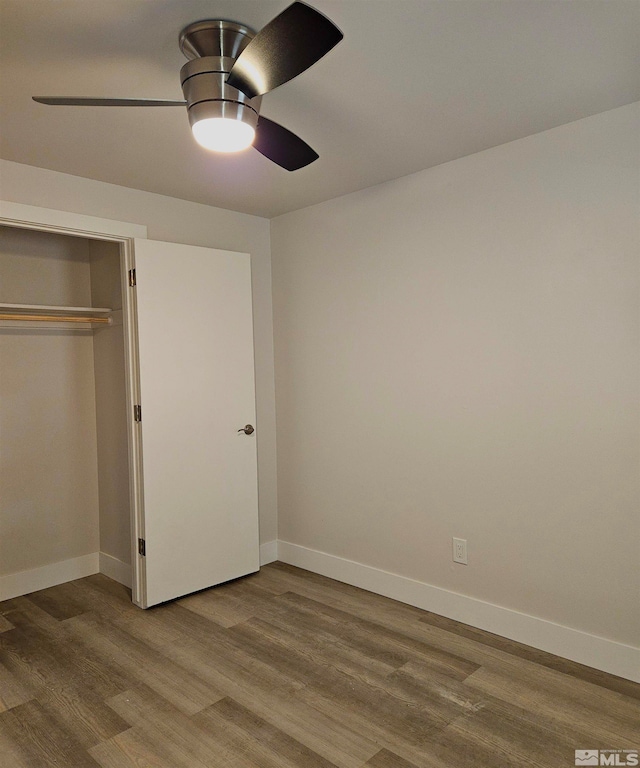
x=248, y=430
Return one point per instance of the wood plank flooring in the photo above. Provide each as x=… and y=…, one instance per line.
x=286, y=669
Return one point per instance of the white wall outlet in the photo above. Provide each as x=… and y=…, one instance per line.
x=460, y=551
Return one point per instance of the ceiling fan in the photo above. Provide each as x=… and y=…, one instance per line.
x=230, y=67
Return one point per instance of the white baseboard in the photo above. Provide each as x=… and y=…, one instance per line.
x=268, y=552
x=591, y=650
x=24, y=582
x=115, y=569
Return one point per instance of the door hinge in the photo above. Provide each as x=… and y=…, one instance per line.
x=132, y=277
x=137, y=413
x=142, y=547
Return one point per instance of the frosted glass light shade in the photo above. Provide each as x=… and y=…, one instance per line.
x=222, y=134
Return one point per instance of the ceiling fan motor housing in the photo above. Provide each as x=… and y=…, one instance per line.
x=212, y=48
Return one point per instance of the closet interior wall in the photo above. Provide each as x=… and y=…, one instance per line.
x=64, y=475
x=111, y=403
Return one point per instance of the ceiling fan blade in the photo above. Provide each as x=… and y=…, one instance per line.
x=108, y=102
x=289, y=44
x=281, y=146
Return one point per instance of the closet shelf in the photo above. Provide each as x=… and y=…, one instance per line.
x=55, y=314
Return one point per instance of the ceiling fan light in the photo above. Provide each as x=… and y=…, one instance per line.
x=223, y=134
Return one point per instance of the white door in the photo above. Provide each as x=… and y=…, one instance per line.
x=196, y=369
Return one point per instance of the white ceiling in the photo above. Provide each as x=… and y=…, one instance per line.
x=414, y=83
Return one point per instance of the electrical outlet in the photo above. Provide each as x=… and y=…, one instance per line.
x=460, y=551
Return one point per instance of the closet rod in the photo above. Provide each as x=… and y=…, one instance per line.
x=55, y=318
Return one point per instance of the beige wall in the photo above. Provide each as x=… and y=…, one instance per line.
x=457, y=355
x=181, y=222
x=48, y=460
x=111, y=404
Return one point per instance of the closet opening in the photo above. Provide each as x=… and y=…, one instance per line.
x=66, y=497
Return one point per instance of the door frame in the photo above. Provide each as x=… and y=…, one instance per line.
x=123, y=233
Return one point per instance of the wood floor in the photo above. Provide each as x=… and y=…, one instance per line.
x=286, y=669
